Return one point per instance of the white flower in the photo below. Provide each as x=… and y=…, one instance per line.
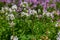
x=39, y=10
x=12, y=24
x=6, y=13
x=10, y=10
x=10, y=17
x=11, y=37
x=2, y=10
x=23, y=13
x=48, y=14
x=39, y=16
x=59, y=33
x=52, y=15
x=27, y=14
x=24, y=4
x=14, y=37
x=58, y=36
x=44, y=12
x=32, y=12
x=56, y=25
x=14, y=7
x=6, y=8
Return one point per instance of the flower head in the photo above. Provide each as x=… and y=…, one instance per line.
x=14, y=37
x=10, y=17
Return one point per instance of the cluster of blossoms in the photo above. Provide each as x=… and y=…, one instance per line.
x=57, y=24
x=44, y=3
x=8, y=12
x=58, y=37
x=24, y=5
x=28, y=8
x=14, y=38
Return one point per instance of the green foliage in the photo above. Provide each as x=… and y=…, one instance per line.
x=58, y=5
x=1, y=5
x=50, y=9
x=29, y=28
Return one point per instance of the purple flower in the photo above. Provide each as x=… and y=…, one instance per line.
x=34, y=5
x=44, y=7
x=47, y=0
x=34, y=1
x=19, y=2
x=29, y=1
x=54, y=0
x=43, y=3
x=58, y=20
x=26, y=0
x=13, y=1
x=3, y=0
x=8, y=1
x=43, y=0
x=58, y=0
x=19, y=9
x=58, y=12
x=53, y=5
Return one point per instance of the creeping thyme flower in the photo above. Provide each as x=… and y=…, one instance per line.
x=14, y=37
x=58, y=12
x=58, y=36
x=44, y=12
x=12, y=24
x=39, y=10
x=6, y=8
x=56, y=25
x=6, y=13
x=10, y=17
x=39, y=16
x=48, y=14
x=14, y=7
x=32, y=12
x=10, y=10
x=2, y=10
x=23, y=14
x=11, y=37
x=24, y=4
x=52, y=16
